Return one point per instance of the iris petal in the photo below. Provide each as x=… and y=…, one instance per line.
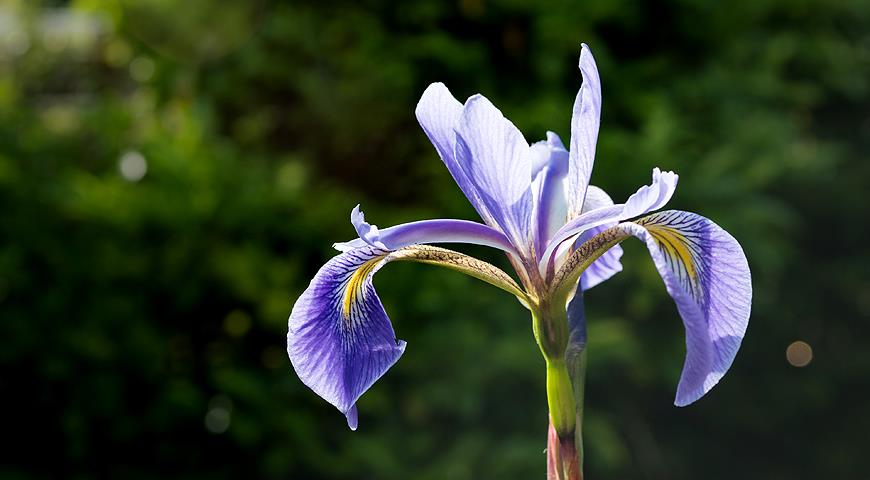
x=646, y=199
x=706, y=273
x=340, y=340
x=439, y=114
x=549, y=167
x=497, y=161
x=608, y=264
x=422, y=232
x=584, y=132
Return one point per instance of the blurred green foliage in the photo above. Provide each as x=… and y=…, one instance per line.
x=172, y=174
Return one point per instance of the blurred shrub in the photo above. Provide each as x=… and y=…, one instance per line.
x=172, y=175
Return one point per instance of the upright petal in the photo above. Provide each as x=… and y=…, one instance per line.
x=423, y=232
x=340, y=340
x=496, y=160
x=549, y=167
x=584, y=132
x=438, y=113
x=706, y=272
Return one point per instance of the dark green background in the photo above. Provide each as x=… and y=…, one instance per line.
x=130, y=309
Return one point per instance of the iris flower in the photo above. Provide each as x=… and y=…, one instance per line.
x=560, y=234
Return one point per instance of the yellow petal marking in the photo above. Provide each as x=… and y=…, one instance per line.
x=356, y=283
x=675, y=244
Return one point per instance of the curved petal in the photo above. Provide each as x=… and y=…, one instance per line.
x=584, y=132
x=653, y=196
x=549, y=167
x=646, y=199
x=438, y=113
x=496, y=160
x=706, y=273
x=423, y=231
x=608, y=264
x=339, y=338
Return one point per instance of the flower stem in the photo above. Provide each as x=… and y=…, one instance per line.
x=565, y=445
x=563, y=348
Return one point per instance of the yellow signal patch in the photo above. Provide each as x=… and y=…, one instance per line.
x=675, y=245
x=356, y=284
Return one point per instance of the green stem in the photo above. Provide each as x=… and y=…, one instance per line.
x=566, y=367
x=560, y=397
x=565, y=447
x=577, y=370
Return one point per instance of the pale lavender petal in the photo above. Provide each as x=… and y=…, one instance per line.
x=585, y=221
x=438, y=113
x=608, y=264
x=706, y=272
x=651, y=197
x=584, y=132
x=367, y=232
x=496, y=160
x=340, y=340
x=646, y=199
x=549, y=167
x=423, y=232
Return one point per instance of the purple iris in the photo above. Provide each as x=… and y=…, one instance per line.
x=560, y=234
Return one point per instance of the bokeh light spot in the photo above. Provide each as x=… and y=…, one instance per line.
x=799, y=354
x=142, y=69
x=117, y=53
x=132, y=166
x=217, y=420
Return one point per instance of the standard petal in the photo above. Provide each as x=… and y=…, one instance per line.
x=340, y=340
x=584, y=132
x=438, y=113
x=706, y=272
x=423, y=232
x=496, y=160
x=549, y=167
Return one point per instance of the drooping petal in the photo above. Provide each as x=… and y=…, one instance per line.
x=340, y=340
x=549, y=167
x=423, y=232
x=584, y=132
x=646, y=199
x=706, y=273
x=496, y=160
